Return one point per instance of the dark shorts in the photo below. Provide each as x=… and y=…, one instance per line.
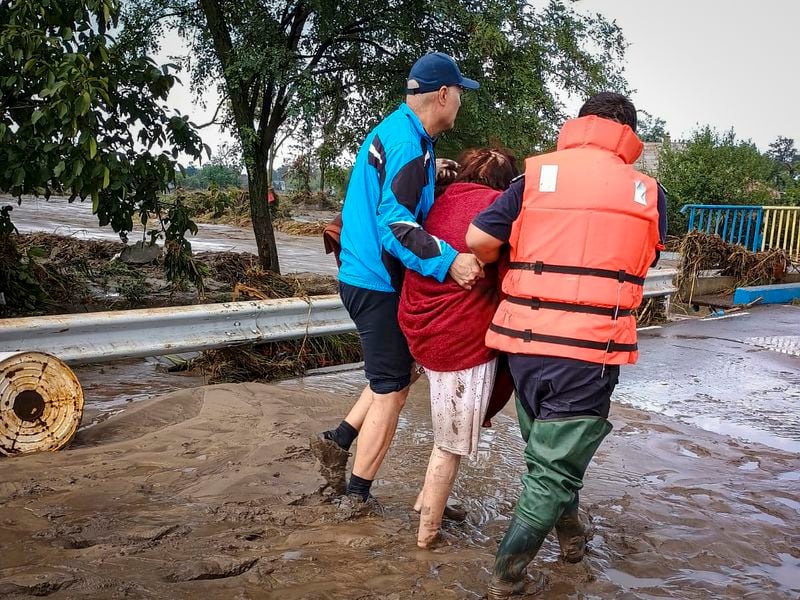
x=555, y=388
x=387, y=360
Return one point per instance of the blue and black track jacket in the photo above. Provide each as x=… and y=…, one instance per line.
x=388, y=198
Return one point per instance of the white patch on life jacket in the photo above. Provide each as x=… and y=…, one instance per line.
x=639, y=191
x=375, y=153
x=547, y=178
x=427, y=158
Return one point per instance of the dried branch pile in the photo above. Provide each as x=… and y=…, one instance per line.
x=299, y=228
x=702, y=251
x=278, y=360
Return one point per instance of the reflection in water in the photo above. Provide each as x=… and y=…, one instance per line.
x=109, y=388
x=759, y=407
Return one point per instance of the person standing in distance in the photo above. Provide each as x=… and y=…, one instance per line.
x=583, y=227
x=390, y=193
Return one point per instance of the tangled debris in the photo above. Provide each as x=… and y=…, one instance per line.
x=72, y=272
x=232, y=207
x=702, y=251
x=277, y=360
x=227, y=206
x=298, y=227
x=652, y=311
x=243, y=271
x=76, y=275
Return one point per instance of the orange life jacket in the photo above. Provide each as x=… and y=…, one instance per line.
x=580, y=248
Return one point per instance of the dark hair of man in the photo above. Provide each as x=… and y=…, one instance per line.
x=610, y=105
x=492, y=167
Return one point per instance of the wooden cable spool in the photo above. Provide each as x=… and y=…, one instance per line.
x=41, y=403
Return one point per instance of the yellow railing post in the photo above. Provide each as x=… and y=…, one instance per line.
x=782, y=229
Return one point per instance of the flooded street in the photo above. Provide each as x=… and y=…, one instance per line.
x=738, y=375
x=211, y=490
x=58, y=216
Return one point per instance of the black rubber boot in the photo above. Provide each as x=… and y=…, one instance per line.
x=518, y=548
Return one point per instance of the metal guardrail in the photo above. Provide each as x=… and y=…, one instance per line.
x=115, y=335
x=736, y=224
x=754, y=227
x=660, y=282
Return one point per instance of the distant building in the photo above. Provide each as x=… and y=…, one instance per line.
x=649, y=160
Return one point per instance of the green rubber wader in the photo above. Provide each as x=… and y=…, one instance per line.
x=525, y=421
x=518, y=548
x=557, y=454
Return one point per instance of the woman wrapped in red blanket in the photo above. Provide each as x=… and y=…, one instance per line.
x=445, y=326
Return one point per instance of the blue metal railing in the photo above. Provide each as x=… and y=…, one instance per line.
x=735, y=223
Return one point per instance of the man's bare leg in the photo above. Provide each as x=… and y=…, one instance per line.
x=377, y=432
x=359, y=410
x=331, y=447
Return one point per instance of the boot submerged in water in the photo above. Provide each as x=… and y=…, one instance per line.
x=573, y=530
x=332, y=460
x=518, y=548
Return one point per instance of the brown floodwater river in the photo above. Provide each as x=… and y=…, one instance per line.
x=211, y=490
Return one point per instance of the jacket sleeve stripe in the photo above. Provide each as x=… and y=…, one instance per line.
x=416, y=240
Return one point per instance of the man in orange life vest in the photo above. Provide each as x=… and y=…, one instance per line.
x=582, y=227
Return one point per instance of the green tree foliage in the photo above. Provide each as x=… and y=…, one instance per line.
x=713, y=168
x=18, y=282
x=83, y=115
x=218, y=175
x=342, y=65
x=786, y=173
x=651, y=128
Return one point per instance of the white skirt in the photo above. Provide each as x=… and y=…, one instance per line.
x=458, y=405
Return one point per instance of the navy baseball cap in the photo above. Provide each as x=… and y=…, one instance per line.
x=434, y=70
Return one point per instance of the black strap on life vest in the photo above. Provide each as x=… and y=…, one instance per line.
x=528, y=336
x=537, y=303
x=539, y=267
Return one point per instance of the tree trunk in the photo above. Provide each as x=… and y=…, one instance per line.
x=322, y=194
x=270, y=163
x=262, y=220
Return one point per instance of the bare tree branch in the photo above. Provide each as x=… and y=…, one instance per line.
x=216, y=112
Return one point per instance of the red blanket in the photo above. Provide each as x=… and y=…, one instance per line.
x=445, y=325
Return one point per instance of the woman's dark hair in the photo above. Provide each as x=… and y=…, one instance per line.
x=610, y=105
x=492, y=167
x=446, y=172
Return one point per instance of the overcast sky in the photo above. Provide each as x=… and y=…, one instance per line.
x=730, y=63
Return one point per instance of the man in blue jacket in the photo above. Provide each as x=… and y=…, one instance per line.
x=390, y=193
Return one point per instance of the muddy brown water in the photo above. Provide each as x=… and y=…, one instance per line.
x=211, y=491
x=655, y=506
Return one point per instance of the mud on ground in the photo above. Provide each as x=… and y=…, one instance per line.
x=212, y=493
